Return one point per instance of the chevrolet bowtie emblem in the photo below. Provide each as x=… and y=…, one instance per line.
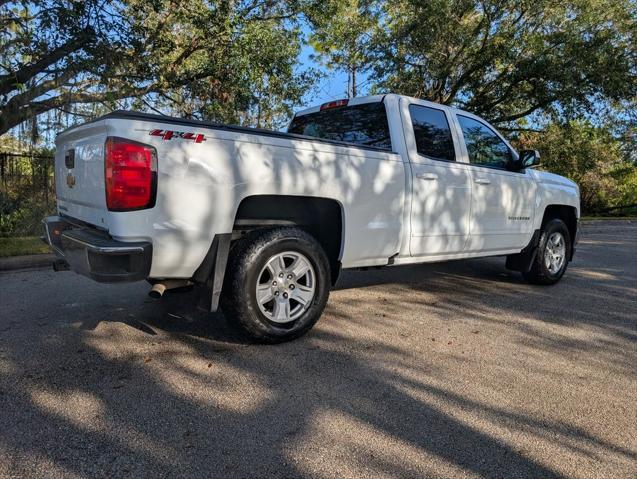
x=70, y=180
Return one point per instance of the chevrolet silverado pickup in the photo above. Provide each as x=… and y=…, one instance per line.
x=261, y=222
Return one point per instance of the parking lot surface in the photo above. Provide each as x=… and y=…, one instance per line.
x=441, y=370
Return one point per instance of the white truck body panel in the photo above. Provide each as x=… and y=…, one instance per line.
x=85, y=200
x=502, y=203
x=395, y=204
x=201, y=187
x=553, y=190
x=440, y=195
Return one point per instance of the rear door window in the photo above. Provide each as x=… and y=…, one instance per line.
x=364, y=124
x=432, y=133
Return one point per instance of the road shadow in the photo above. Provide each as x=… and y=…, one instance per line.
x=117, y=387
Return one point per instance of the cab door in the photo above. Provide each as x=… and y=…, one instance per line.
x=441, y=185
x=502, y=201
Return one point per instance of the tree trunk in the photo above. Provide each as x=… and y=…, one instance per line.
x=354, y=92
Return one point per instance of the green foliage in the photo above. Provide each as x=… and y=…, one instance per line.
x=26, y=190
x=225, y=61
x=231, y=61
x=341, y=38
x=506, y=59
x=54, y=46
x=591, y=157
x=236, y=61
x=23, y=216
x=22, y=246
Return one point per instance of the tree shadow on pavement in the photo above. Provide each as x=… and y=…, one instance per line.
x=117, y=387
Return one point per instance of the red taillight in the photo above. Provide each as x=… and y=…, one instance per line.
x=334, y=104
x=130, y=171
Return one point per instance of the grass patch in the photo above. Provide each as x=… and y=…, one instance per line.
x=22, y=246
x=598, y=218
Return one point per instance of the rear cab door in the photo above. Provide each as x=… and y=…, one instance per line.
x=441, y=182
x=502, y=200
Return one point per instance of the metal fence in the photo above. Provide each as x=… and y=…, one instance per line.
x=27, y=193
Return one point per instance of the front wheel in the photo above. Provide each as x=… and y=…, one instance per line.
x=277, y=284
x=553, y=253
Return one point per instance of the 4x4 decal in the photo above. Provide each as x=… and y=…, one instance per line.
x=183, y=135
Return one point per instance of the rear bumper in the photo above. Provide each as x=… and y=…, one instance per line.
x=93, y=253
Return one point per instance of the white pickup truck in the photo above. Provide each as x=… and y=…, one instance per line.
x=262, y=222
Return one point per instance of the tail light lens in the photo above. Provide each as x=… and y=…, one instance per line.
x=334, y=104
x=130, y=171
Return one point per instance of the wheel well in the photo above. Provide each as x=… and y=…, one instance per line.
x=567, y=214
x=321, y=217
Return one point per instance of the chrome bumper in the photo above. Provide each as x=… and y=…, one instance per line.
x=93, y=253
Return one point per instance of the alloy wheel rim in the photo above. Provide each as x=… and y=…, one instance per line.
x=555, y=252
x=286, y=287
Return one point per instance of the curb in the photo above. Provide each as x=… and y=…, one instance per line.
x=32, y=261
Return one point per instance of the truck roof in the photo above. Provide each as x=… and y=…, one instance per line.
x=359, y=100
x=378, y=98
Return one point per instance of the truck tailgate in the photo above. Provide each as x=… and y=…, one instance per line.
x=79, y=173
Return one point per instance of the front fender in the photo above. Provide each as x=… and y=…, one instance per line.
x=554, y=190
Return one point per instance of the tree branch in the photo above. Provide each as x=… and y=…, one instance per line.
x=519, y=129
x=10, y=119
x=11, y=81
x=24, y=98
x=522, y=114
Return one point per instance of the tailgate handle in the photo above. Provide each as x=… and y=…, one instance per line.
x=69, y=158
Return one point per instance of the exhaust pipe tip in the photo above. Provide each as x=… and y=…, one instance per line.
x=157, y=291
x=60, y=265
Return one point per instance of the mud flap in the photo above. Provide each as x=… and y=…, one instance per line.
x=523, y=261
x=209, y=276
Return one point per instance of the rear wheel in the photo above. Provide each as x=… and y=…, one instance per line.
x=277, y=284
x=553, y=253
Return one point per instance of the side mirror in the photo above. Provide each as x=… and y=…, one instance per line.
x=529, y=158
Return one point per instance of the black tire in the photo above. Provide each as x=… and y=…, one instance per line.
x=540, y=273
x=247, y=259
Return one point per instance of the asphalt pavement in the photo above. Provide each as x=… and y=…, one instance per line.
x=443, y=370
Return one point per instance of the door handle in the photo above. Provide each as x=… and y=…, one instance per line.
x=482, y=181
x=427, y=176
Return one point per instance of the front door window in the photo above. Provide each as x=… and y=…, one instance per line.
x=485, y=148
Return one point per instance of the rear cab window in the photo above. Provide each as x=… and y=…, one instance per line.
x=363, y=124
x=432, y=133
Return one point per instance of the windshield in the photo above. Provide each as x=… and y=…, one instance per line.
x=364, y=124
